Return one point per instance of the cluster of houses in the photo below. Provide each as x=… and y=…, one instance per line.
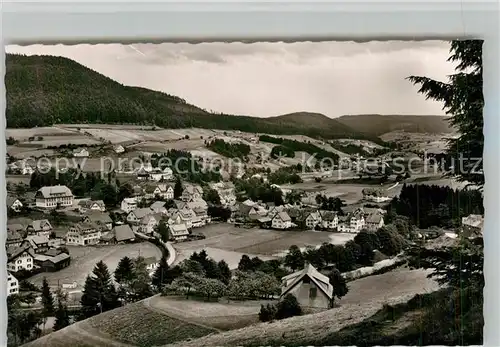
x=308, y=218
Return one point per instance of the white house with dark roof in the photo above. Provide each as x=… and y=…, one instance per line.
x=12, y=284
x=52, y=196
x=83, y=234
x=313, y=219
x=81, y=153
x=281, y=221
x=374, y=221
x=136, y=215
x=311, y=288
x=329, y=220
x=128, y=204
x=20, y=259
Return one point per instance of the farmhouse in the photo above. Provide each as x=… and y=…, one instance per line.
x=136, y=215
x=21, y=259
x=374, y=222
x=12, y=284
x=81, y=153
x=128, y=204
x=281, y=221
x=313, y=219
x=14, y=238
x=352, y=223
x=329, y=220
x=83, y=234
x=120, y=233
x=375, y=195
x=52, y=196
x=99, y=218
x=311, y=288
x=40, y=244
x=191, y=192
x=14, y=204
x=40, y=227
x=85, y=206
x=178, y=231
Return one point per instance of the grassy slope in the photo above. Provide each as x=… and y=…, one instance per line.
x=377, y=125
x=46, y=90
x=131, y=325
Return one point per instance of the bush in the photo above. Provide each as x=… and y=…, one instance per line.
x=267, y=313
x=288, y=307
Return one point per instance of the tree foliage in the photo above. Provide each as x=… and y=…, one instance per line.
x=463, y=101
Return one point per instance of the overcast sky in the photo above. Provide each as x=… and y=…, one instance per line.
x=270, y=79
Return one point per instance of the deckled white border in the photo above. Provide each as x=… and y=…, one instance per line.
x=71, y=22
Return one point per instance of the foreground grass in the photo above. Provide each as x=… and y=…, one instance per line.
x=137, y=325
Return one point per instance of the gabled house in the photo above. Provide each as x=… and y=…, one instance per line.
x=128, y=204
x=311, y=288
x=159, y=207
x=149, y=223
x=101, y=219
x=120, y=233
x=118, y=149
x=178, y=232
x=313, y=219
x=85, y=206
x=352, y=223
x=14, y=203
x=39, y=244
x=53, y=196
x=184, y=216
x=81, y=153
x=52, y=260
x=40, y=227
x=12, y=284
x=83, y=234
x=281, y=221
x=374, y=221
x=191, y=193
x=21, y=259
x=329, y=220
x=375, y=195
x=14, y=238
x=136, y=215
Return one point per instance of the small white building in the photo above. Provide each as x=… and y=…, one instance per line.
x=178, y=231
x=119, y=149
x=81, y=153
x=12, y=285
x=281, y=221
x=128, y=204
x=52, y=196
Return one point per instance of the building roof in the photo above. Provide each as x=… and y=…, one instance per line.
x=328, y=216
x=178, y=229
x=15, y=228
x=85, y=227
x=51, y=191
x=11, y=200
x=14, y=236
x=90, y=203
x=373, y=218
x=321, y=281
x=53, y=259
x=142, y=212
x=37, y=240
x=16, y=252
x=147, y=218
x=283, y=216
x=123, y=233
x=39, y=224
x=157, y=204
x=99, y=217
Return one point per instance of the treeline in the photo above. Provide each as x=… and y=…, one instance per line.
x=47, y=90
x=230, y=150
x=285, y=175
x=256, y=189
x=282, y=151
x=298, y=146
x=349, y=148
x=432, y=205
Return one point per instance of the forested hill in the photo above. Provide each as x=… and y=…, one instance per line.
x=46, y=90
x=376, y=124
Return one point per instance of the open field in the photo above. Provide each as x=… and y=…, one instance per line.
x=366, y=296
x=225, y=241
x=84, y=258
x=223, y=315
x=24, y=134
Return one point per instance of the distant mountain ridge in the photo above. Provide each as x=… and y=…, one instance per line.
x=377, y=125
x=47, y=90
